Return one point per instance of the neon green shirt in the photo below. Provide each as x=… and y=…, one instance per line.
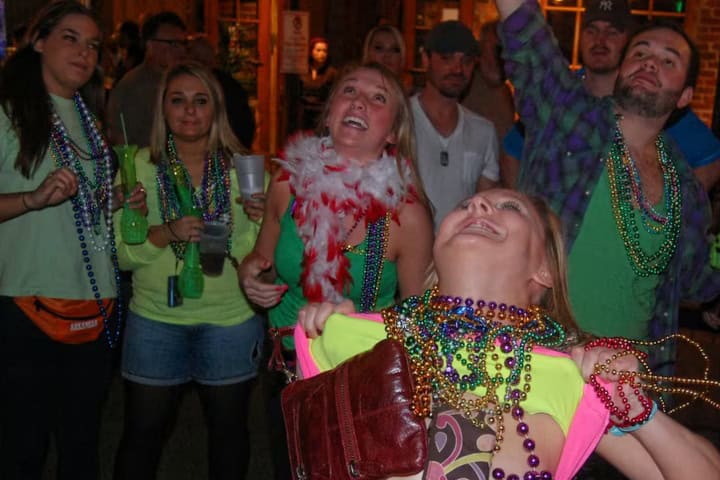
x=222, y=302
x=557, y=385
x=41, y=252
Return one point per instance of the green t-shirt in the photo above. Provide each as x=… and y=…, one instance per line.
x=607, y=297
x=288, y=262
x=222, y=302
x=41, y=253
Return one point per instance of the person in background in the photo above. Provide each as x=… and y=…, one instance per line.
x=457, y=149
x=605, y=32
x=214, y=341
x=240, y=115
x=385, y=44
x=316, y=83
x=345, y=217
x=129, y=52
x=58, y=268
x=489, y=94
x=164, y=39
x=635, y=216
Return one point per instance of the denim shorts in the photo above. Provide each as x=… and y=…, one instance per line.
x=163, y=354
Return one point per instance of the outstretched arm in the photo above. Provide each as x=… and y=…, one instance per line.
x=662, y=449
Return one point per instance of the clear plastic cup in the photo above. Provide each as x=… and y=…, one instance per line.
x=250, y=171
x=213, y=248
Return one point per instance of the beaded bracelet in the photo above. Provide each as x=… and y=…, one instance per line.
x=620, y=431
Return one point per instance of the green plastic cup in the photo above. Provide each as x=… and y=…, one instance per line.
x=133, y=224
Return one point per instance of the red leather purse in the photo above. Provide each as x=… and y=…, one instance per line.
x=355, y=421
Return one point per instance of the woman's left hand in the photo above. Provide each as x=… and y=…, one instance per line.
x=313, y=316
x=137, y=200
x=587, y=359
x=254, y=206
x=614, y=362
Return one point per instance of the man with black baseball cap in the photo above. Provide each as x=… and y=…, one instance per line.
x=606, y=25
x=456, y=149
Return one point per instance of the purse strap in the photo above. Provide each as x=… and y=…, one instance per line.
x=343, y=408
x=277, y=361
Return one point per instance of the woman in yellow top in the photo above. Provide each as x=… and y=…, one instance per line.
x=481, y=345
x=214, y=341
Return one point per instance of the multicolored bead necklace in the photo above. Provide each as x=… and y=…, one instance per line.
x=88, y=204
x=626, y=192
x=212, y=198
x=440, y=332
x=378, y=233
x=94, y=193
x=698, y=388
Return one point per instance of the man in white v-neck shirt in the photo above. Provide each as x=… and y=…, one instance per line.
x=457, y=152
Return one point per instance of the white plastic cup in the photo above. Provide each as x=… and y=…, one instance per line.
x=250, y=171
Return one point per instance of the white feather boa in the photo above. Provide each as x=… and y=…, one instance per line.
x=328, y=187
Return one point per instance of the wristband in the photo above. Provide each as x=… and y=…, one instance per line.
x=619, y=432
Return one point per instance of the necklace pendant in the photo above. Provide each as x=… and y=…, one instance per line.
x=444, y=158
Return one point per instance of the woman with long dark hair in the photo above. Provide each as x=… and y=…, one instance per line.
x=58, y=268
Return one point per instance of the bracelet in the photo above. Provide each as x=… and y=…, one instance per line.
x=620, y=431
x=22, y=198
x=172, y=232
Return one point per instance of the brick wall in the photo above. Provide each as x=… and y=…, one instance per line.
x=702, y=22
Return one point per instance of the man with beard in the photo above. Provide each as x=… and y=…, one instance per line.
x=602, y=39
x=456, y=149
x=635, y=217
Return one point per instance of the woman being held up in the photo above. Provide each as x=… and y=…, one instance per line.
x=345, y=218
x=214, y=341
x=500, y=309
x=58, y=269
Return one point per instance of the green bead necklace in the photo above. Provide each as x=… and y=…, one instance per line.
x=626, y=194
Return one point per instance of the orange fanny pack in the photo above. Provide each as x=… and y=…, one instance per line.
x=66, y=321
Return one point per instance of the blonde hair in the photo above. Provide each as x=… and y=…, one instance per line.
x=403, y=125
x=397, y=36
x=221, y=135
x=556, y=300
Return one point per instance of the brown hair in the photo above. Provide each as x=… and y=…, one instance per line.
x=23, y=93
x=556, y=300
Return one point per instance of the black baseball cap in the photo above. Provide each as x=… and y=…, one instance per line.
x=451, y=36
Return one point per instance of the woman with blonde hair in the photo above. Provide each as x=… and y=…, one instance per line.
x=345, y=216
x=385, y=44
x=214, y=341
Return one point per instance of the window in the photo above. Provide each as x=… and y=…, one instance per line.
x=565, y=18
